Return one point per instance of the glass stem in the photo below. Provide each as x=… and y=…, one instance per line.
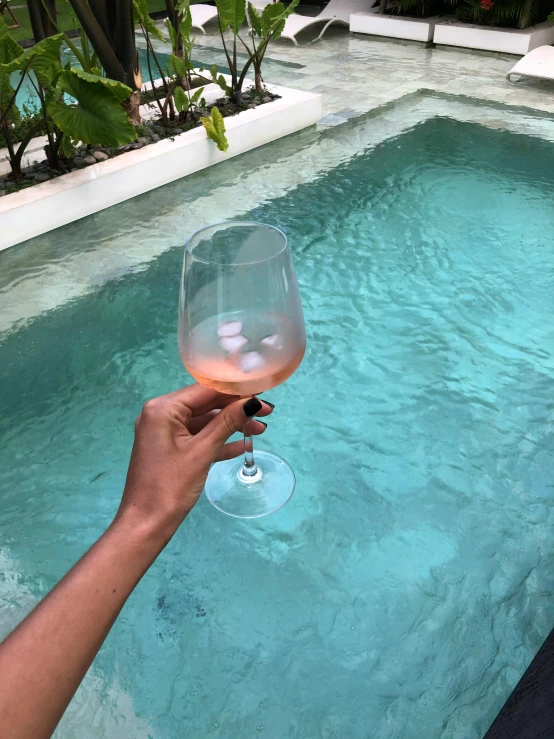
x=249, y=468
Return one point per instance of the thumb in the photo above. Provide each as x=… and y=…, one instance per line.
x=231, y=419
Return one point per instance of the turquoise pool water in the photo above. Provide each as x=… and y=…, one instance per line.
x=404, y=589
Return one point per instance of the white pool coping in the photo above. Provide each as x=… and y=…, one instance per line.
x=44, y=207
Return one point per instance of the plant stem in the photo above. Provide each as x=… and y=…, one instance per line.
x=149, y=63
x=229, y=62
x=5, y=114
x=17, y=157
x=16, y=175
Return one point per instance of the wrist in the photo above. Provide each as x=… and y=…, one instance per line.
x=147, y=535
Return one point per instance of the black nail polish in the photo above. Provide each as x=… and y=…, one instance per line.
x=262, y=422
x=251, y=407
x=269, y=404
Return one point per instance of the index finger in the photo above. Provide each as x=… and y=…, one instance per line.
x=202, y=400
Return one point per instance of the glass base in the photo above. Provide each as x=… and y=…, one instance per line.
x=236, y=495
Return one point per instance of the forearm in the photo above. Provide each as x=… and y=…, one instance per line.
x=44, y=660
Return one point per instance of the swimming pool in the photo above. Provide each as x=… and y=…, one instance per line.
x=407, y=584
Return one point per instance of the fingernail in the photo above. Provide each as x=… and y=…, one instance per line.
x=251, y=407
x=262, y=422
x=269, y=404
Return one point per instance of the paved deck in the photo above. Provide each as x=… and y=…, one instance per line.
x=357, y=73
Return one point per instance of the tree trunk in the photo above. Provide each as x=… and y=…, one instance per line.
x=258, y=80
x=34, y=8
x=50, y=17
x=132, y=108
x=383, y=6
x=100, y=43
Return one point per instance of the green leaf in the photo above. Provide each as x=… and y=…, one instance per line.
x=120, y=91
x=66, y=147
x=143, y=16
x=177, y=66
x=291, y=7
x=172, y=33
x=196, y=96
x=9, y=48
x=232, y=13
x=7, y=100
x=255, y=19
x=222, y=82
x=98, y=117
x=182, y=6
x=181, y=100
x=186, y=23
x=272, y=17
x=215, y=128
x=213, y=71
x=42, y=59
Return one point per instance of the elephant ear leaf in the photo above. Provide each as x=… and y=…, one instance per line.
x=186, y=23
x=232, y=13
x=9, y=48
x=97, y=117
x=142, y=15
x=273, y=19
x=215, y=128
x=197, y=95
x=255, y=19
x=182, y=102
x=42, y=59
x=8, y=108
x=120, y=91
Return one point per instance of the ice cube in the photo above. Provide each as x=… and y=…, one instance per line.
x=275, y=341
x=233, y=344
x=229, y=328
x=251, y=361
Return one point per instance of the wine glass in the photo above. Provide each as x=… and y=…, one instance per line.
x=241, y=331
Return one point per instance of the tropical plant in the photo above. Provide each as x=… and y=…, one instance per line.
x=96, y=117
x=110, y=28
x=215, y=128
x=507, y=13
x=35, y=65
x=265, y=27
x=180, y=101
x=74, y=105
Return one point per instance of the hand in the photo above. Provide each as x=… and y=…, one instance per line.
x=177, y=437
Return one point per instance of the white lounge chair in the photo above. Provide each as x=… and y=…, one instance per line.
x=203, y=13
x=336, y=11
x=538, y=63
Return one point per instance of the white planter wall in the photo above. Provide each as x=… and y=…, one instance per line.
x=508, y=40
x=393, y=26
x=41, y=208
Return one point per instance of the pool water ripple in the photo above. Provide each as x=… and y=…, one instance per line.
x=407, y=585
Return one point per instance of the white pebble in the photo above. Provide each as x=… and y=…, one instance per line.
x=233, y=343
x=274, y=341
x=251, y=361
x=229, y=328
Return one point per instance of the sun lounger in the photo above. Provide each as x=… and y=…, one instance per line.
x=337, y=11
x=202, y=13
x=538, y=63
